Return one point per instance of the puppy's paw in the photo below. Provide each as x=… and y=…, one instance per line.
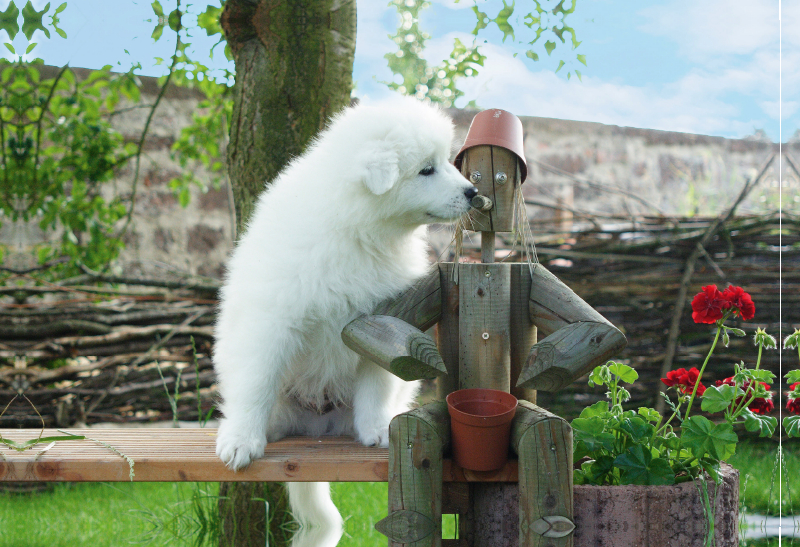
x=377, y=436
x=238, y=446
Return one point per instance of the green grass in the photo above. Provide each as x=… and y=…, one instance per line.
x=96, y=514
x=758, y=478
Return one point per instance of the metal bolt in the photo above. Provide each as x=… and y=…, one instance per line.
x=485, y=335
x=553, y=447
x=482, y=203
x=488, y=273
x=410, y=445
x=500, y=177
x=475, y=177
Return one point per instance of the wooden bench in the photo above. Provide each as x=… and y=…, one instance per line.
x=178, y=455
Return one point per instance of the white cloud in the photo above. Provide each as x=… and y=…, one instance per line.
x=693, y=104
x=715, y=27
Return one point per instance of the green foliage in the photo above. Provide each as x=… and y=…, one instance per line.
x=617, y=446
x=59, y=150
x=544, y=29
x=434, y=83
x=439, y=83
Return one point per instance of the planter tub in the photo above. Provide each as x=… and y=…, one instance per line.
x=656, y=516
x=620, y=516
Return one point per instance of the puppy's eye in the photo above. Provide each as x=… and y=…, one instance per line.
x=427, y=171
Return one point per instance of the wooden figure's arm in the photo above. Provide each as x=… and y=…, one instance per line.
x=393, y=337
x=396, y=346
x=577, y=339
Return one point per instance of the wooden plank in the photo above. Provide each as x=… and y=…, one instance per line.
x=543, y=443
x=447, y=330
x=523, y=331
x=420, y=305
x=418, y=440
x=396, y=346
x=178, y=455
x=484, y=330
x=185, y=455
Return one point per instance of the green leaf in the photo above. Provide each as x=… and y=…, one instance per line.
x=703, y=437
x=759, y=375
x=32, y=20
x=600, y=408
x=8, y=21
x=582, y=59
x=649, y=414
x=793, y=376
x=637, y=429
x=624, y=372
x=602, y=466
x=591, y=431
x=60, y=8
x=30, y=47
x=639, y=467
x=157, y=9
x=791, y=424
x=578, y=74
x=10, y=47
x=736, y=332
x=717, y=399
x=157, y=32
x=61, y=32
x=765, y=425
x=549, y=46
x=560, y=64
x=174, y=20
x=532, y=55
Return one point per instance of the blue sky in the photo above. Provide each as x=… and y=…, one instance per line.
x=709, y=67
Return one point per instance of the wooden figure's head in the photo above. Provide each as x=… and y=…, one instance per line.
x=493, y=159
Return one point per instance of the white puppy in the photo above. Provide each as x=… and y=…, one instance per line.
x=339, y=230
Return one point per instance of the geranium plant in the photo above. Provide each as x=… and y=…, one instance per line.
x=791, y=423
x=616, y=446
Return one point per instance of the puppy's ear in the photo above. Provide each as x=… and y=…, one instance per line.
x=380, y=168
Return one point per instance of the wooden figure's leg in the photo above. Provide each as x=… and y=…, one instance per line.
x=418, y=440
x=543, y=443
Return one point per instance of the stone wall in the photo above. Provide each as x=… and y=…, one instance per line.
x=674, y=173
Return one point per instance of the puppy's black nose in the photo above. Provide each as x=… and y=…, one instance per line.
x=471, y=193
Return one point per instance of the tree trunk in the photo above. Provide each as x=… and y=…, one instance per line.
x=294, y=66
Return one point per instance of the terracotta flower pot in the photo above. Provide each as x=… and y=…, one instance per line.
x=480, y=423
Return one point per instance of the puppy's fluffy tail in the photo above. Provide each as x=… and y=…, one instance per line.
x=314, y=510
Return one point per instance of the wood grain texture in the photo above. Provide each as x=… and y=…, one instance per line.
x=479, y=158
x=484, y=326
x=553, y=305
x=543, y=443
x=523, y=332
x=447, y=330
x=178, y=455
x=568, y=354
x=396, y=346
x=489, y=161
x=577, y=337
x=418, y=440
x=420, y=305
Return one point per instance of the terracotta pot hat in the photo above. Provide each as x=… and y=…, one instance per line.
x=496, y=127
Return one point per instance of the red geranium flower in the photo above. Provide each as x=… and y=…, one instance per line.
x=707, y=306
x=760, y=405
x=793, y=405
x=740, y=302
x=684, y=380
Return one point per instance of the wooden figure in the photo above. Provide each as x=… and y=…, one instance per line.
x=488, y=316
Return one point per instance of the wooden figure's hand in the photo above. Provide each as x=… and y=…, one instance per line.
x=577, y=339
x=396, y=346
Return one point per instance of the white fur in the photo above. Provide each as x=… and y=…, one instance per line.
x=339, y=230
